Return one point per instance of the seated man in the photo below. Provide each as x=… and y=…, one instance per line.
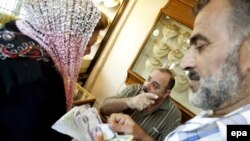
x=148, y=104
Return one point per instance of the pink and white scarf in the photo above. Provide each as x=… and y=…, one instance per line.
x=63, y=29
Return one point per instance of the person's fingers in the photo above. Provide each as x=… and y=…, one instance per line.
x=151, y=102
x=151, y=96
x=117, y=127
x=140, y=108
x=99, y=136
x=115, y=118
x=118, y=121
x=112, y=119
x=148, y=102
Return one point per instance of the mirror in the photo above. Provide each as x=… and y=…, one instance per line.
x=113, y=9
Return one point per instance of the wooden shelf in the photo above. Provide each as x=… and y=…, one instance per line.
x=82, y=96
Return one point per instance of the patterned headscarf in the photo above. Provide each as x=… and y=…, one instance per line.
x=63, y=29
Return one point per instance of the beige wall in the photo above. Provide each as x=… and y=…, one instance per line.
x=109, y=74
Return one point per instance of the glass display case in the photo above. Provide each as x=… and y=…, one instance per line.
x=165, y=45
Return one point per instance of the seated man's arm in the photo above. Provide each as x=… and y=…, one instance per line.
x=115, y=105
x=129, y=98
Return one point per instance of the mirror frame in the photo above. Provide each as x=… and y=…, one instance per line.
x=84, y=76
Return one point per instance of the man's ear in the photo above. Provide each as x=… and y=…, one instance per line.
x=244, y=54
x=167, y=93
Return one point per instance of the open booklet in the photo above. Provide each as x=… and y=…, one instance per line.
x=83, y=122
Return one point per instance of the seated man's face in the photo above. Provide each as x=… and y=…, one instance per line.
x=157, y=83
x=213, y=70
x=91, y=42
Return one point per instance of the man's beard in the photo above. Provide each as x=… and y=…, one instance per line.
x=216, y=89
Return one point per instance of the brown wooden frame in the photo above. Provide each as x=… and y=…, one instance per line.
x=84, y=76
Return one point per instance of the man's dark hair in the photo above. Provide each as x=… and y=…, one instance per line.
x=238, y=17
x=171, y=81
x=199, y=5
x=102, y=23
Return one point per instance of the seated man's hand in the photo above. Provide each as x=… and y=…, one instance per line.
x=123, y=123
x=142, y=101
x=120, y=123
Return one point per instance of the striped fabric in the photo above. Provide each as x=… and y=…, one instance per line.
x=157, y=123
x=202, y=128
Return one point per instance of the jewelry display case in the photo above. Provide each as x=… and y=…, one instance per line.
x=165, y=46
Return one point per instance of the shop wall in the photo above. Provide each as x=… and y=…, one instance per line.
x=109, y=74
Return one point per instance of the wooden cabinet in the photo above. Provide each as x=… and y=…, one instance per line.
x=83, y=96
x=165, y=45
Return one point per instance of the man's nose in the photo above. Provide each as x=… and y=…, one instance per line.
x=148, y=86
x=189, y=60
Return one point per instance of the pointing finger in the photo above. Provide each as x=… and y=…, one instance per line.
x=151, y=96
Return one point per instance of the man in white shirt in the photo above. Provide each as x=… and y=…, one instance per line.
x=218, y=67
